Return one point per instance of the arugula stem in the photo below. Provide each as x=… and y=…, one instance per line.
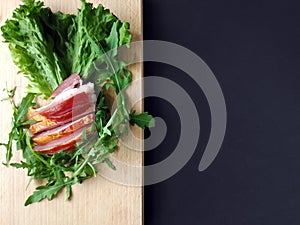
x=93, y=168
x=78, y=171
x=34, y=153
x=109, y=123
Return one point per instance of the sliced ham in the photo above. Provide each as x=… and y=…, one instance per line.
x=66, y=105
x=64, y=143
x=45, y=123
x=64, y=130
x=62, y=120
x=69, y=83
x=86, y=88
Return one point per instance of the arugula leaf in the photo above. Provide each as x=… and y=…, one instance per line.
x=125, y=36
x=48, y=191
x=142, y=120
x=16, y=132
x=109, y=163
x=23, y=108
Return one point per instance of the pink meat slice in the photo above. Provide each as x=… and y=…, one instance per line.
x=69, y=83
x=41, y=127
x=87, y=89
x=61, y=122
x=64, y=143
x=63, y=130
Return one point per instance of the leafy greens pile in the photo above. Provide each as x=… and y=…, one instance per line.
x=47, y=47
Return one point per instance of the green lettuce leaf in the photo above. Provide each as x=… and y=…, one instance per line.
x=47, y=47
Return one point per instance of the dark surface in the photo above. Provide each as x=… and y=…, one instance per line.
x=253, y=48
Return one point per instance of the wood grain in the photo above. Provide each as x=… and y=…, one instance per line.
x=97, y=200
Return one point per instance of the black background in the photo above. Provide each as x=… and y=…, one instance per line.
x=253, y=48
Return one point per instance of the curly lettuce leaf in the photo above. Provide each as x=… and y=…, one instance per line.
x=33, y=48
x=47, y=47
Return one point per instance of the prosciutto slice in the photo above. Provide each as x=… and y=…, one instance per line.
x=44, y=123
x=67, y=84
x=61, y=122
x=87, y=89
x=63, y=130
x=64, y=143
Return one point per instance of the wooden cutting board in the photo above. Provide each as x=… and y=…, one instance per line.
x=95, y=201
